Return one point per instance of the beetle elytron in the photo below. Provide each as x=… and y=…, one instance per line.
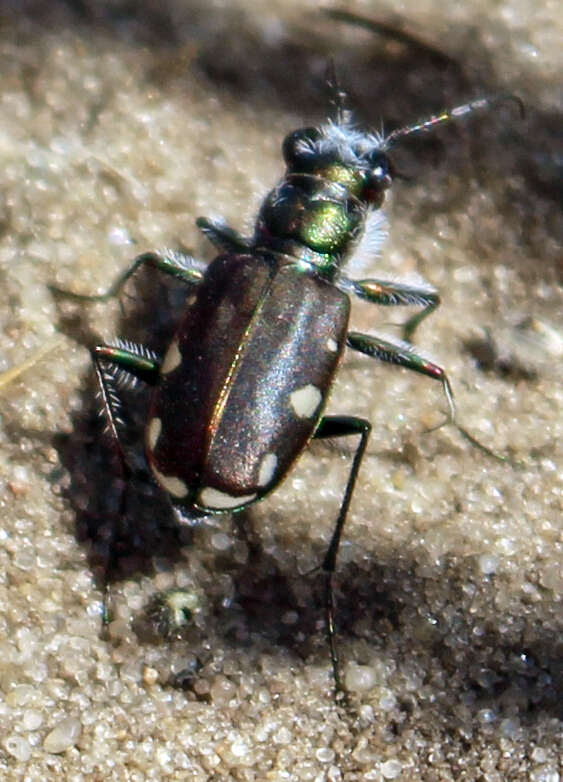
x=241, y=389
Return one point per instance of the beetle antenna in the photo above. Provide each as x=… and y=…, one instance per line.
x=338, y=96
x=448, y=115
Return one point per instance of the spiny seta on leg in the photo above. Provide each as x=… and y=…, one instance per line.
x=410, y=289
x=182, y=260
x=119, y=376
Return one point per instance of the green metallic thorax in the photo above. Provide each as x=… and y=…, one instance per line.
x=314, y=217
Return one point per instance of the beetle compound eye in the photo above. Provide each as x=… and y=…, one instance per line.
x=380, y=169
x=379, y=179
x=299, y=148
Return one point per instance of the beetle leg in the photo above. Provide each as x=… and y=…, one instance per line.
x=118, y=366
x=225, y=238
x=404, y=355
x=392, y=293
x=340, y=426
x=413, y=322
x=179, y=265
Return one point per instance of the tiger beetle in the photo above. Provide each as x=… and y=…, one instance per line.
x=241, y=389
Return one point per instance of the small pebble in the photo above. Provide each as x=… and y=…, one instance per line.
x=63, y=736
x=18, y=747
x=488, y=564
x=391, y=769
x=359, y=678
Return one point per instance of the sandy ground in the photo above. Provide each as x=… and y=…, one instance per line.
x=120, y=124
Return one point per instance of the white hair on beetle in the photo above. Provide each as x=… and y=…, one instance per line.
x=370, y=243
x=350, y=146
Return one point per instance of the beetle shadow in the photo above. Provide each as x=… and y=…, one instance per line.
x=491, y=669
x=273, y=609
x=484, y=663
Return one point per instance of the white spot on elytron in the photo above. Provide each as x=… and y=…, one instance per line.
x=332, y=345
x=174, y=486
x=154, y=429
x=172, y=359
x=305, y=400
x=220, y=500
x=267, y=469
